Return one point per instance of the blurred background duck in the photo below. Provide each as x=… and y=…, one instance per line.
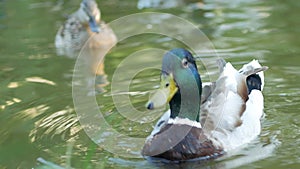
x=84, y=26
x=166, y=4
x=84, y=31
x=204, y=120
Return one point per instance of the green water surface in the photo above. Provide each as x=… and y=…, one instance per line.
x=38, y=123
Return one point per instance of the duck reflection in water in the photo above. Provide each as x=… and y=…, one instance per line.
x=92, y=61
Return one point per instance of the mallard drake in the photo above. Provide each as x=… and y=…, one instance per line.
x=80, y=26
x=204, y=120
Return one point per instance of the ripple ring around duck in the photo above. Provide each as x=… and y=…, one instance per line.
x=87, y=108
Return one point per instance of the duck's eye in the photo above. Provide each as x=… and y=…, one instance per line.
x=184, y=63
x=167, y=84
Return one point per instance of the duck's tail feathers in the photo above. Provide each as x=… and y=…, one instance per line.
x=252, y=67
x=253, y=70
x=254, y=75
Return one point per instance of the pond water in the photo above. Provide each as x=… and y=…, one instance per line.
x=39, y=126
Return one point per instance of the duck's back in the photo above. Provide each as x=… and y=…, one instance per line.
x=224, y=107
x=232, y=112
x=72, y=34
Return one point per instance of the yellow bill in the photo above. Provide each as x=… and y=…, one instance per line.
x=164, y=94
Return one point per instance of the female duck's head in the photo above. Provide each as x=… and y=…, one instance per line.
x=89, y=13
x=180, y=85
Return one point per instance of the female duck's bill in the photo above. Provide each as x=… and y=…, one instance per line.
x=230, y=111
x=90, y=7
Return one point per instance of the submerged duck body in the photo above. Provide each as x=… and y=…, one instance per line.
x=205, y=120
x=84, y=26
